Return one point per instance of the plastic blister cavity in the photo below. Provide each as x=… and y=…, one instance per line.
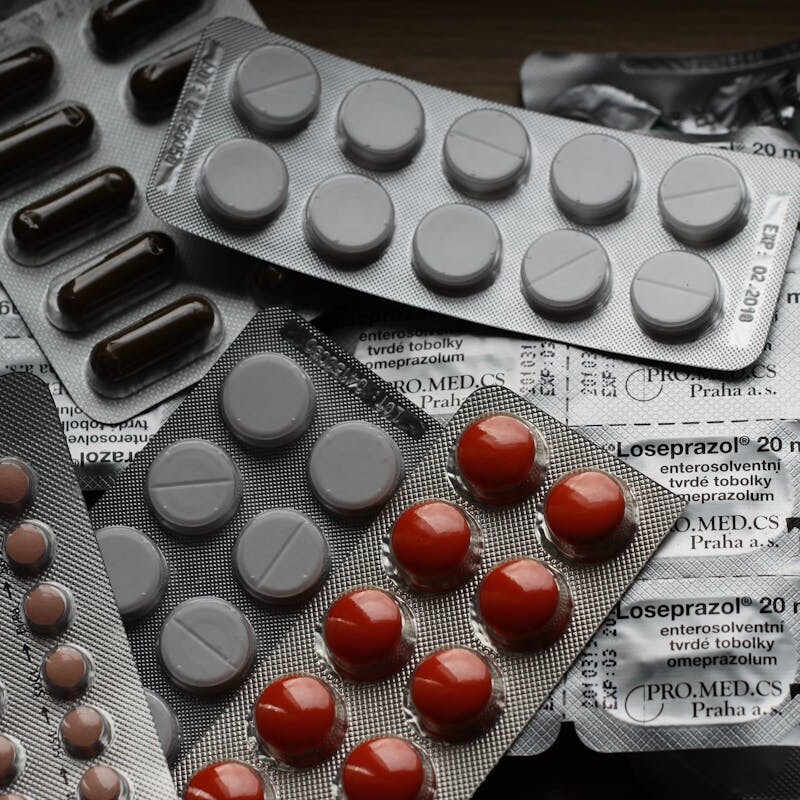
x=256, y=488
x=44, y=144
x=68, y=678
x=425, y=153
x=490, y=643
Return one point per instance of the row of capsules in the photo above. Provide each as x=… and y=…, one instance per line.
x=68, y=177
x=368, y=635
x=58, y=137
x=72, y=715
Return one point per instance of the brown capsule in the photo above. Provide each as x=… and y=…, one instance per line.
x=66, y=671
x=133, y=270
x=17, y=485
x=47, y=609
x=102, y=196
x=29, y=548
x=156, y=86
x=152, y=341
x=10, y=761
x=24, y=74
x=85, y=732
x=119, y=24
x=48, y=138
x=102, y=783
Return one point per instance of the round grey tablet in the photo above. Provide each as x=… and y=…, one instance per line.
x=594, y=179
x=456, y=248
x=167, y=726
x=486, y=152
x=349, y=219
x=267, y=400
x=381, y=124
x=354, y=468
x=280, y=557
x=193, y=487
x=136, y=568
x=206, y=645
x=565, y=274
x=703, y=200
x=275, y=89
x=676, y=295
x=242, y=184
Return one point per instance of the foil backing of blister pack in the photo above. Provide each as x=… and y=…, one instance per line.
x=127, y=141
x=691, y=664
x=345, y=390
x=444, y=619
x=437, y=363
x=741, y=484
x=31, y=714
x=205, y=117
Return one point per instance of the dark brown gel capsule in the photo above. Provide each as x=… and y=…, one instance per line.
x=156, y=338
x=121, y=23
x=156, y=86
x=25, y=73
x=53, y=136
x=141, y=265
x=100, y=196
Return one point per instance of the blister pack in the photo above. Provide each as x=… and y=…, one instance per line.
x=85, y=89
x=437, y=363
x=228, y=521
x=422, y=657
x=654, y=249
x=691, y=664
x=74, y=722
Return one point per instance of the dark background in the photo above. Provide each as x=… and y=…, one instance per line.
x=478, y=48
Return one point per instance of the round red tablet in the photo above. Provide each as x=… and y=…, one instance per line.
x=228, y=780
x=587, y=515
x=367, y=635
x=523, y=604
x=388, y=768
x=455, y=694
x=299, y=720
x=500, y=459
x=435, y=546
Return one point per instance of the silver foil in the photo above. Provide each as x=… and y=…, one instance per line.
x=707, y=663
x=32, y=715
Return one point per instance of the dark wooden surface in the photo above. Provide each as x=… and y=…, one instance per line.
x=477, y=47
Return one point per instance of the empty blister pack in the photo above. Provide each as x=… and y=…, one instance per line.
x=84, y=89
x=691, y=664
x=518, y=220
x=424, y=656
x=230, y=518
x=74, y=722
